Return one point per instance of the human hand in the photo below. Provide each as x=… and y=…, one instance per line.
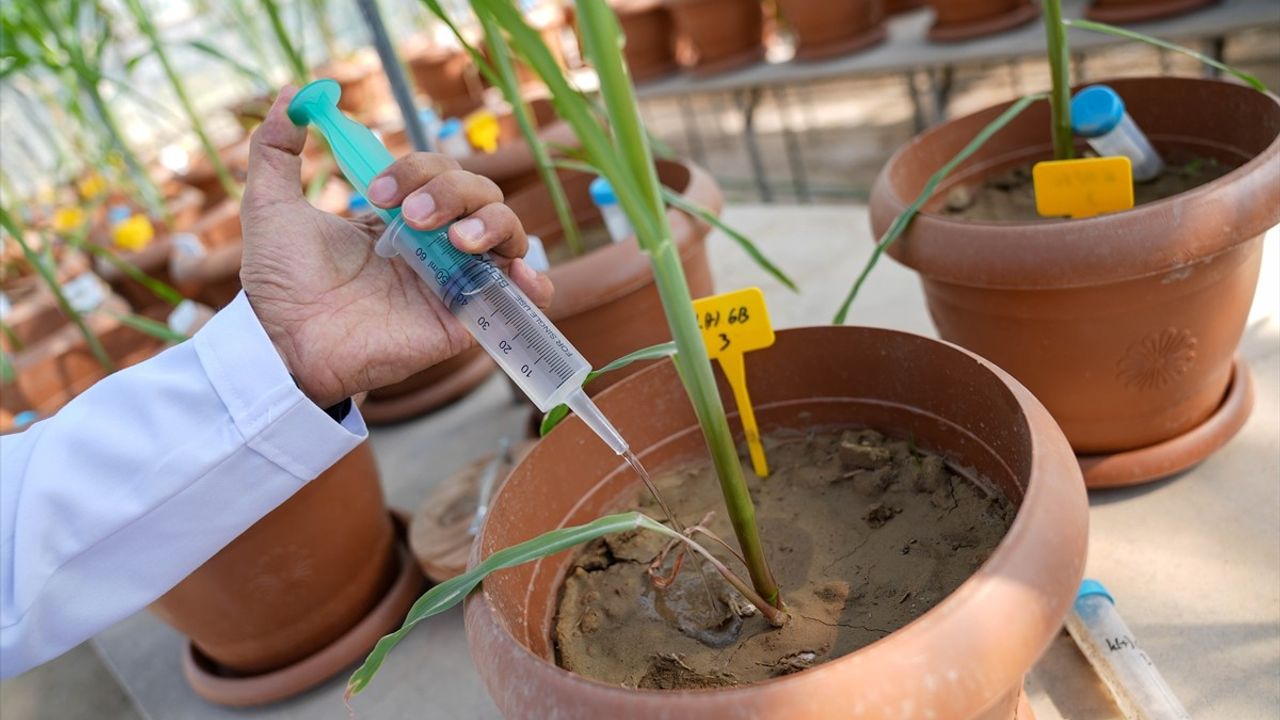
x=343, y=319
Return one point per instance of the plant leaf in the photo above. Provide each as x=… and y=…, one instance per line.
x=900, y=223
x=680, y=202
x=256, y=77
x=653, y=352
x=453, y=591
x=147, y=326
x=1127, y=34
x=676, y=199
x=159, y=288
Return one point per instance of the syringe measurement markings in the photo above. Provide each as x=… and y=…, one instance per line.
x=510, y=310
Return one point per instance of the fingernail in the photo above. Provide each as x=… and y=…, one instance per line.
x=419, y=206
x=470, y=230
x=382, y=189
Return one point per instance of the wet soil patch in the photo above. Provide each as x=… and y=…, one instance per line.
x=1010, y=196
x=864, y=533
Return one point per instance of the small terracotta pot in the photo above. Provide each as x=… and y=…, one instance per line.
x=432, y=388
x=825, y=29
x=895, y=7
x=59, y=366
x=184, y=207
x=297, y=579
x=512, y=166
x=956, y=20
x=650, y=47
x=366, y=92
x=605, y=302
x=715, y=36
x=1132, y=11
x=448, y=77
x=963, y=660
x=1124, y=324
x=212, y=278
x=201, y=176
x=34, y=313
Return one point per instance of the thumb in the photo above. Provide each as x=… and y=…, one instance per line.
x=275, y=162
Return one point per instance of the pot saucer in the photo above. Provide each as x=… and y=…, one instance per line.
x=352, y=646
x=870, y=38
x=1123, y=14
x=385, y=411
x=988, y=26
x=440, y=531
x=1134, y=467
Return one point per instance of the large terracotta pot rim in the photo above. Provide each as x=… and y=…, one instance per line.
x=1066, y=253
x=618, y=269
x=1051, y=457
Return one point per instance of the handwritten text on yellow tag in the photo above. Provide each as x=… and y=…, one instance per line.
x=733, y=323
x=1083, y=187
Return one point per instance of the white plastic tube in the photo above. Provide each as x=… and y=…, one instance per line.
x=1139, y=690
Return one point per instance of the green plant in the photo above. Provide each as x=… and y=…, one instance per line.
x=1060, y=123
x=148, y=28
x=297, y=66
x=67, y=40
x=618, y=148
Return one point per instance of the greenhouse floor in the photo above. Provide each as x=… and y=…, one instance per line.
x=1194, y=562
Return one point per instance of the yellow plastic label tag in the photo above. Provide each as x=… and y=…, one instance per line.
x=734, y=323
x=1083, y=187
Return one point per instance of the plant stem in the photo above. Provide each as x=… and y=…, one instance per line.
x=248, y=29
x=598, y=24
x=297, y=66
x=1059, y=71
x=49, y=276
x=510, y=87
x=157, y=48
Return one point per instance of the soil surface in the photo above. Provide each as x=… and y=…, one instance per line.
x=1010, y=197
x=863, y=533
x=594, y=236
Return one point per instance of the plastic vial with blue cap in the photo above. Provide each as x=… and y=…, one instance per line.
x=1098, y=116
x=1140, y=692
x=431, y=126
x=452, y=140
x=614, y=218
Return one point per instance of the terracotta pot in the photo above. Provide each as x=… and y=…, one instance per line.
x=432, y=388
x=1132, y=11
x=650, y=47
x=59, y=366
x=34, y=312
x=967, y=19
x=213, y=276
x=895, y=7
x=366, y=92
x=715, y=36
x=1124, y=325
x=825, y=29
x=200, y=174
x=448, y=77
x=605, y=301
x=297, y=579
x=962, y=660
x=512, y=166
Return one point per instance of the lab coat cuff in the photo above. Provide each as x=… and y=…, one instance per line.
x=268, y=409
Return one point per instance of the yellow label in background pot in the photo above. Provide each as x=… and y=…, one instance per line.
x=133, y=234
x=68, y=220
x=732, y=324
x=1083, y=187
x=482, y=130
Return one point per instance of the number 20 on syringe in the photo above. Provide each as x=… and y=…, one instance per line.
x=734, y=323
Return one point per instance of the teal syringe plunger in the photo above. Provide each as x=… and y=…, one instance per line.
x=515, y=333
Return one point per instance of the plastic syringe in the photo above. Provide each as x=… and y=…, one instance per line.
x=1139, y=690
x=515, y=333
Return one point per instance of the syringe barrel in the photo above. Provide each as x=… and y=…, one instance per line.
x=1140, y=692
x=515, y=333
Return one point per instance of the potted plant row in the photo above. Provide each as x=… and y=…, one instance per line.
x=864, y=428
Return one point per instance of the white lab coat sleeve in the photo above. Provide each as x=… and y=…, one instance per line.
x=134, y=484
